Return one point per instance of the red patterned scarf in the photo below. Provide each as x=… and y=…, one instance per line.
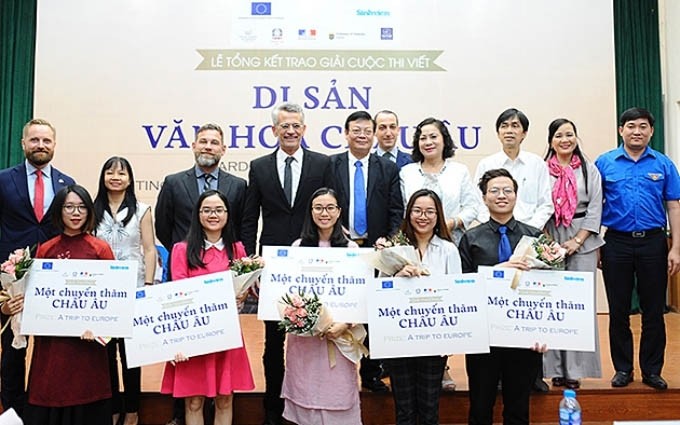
x=565, y=192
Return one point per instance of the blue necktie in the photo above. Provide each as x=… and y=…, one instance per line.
x=504, y=249
x=359, y=200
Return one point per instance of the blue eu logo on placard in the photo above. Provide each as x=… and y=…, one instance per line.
x=386, y=34
x=498, y=273
x=282, y=253
x=140, y=294
x=47, y=265
x=261, y=8
x=387, y=284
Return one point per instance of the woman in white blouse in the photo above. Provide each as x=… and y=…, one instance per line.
x=434, y=168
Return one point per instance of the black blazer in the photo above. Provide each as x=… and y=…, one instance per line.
x=178, y=197
x=281, y=223
x=384, y=205
x=19, y=227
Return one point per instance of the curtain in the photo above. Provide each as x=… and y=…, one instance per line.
x=17, y=62
x=638, y=61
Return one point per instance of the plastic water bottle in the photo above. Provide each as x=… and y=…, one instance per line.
x=570, y=410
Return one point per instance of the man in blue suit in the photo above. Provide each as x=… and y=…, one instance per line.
x=25, y=220
x=387, y=133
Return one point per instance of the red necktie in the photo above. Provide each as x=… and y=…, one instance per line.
x=39, y=198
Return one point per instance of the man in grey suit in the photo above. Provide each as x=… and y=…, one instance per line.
x=180, y=192
x=280, y=185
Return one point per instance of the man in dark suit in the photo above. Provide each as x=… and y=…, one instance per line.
x=179, y=194
x=368, y=189
x=280, y=185
x=180, y=191
x=387, y=133
x=26, y=192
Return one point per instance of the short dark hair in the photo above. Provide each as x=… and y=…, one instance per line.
x=512, y=113
x=210, y=126
x=492, y=174
x=310, y=233
x=385, y=112
x=449, y=145
x=58, y=205
x=358, y=116
x=633, y=114
x=440, y=229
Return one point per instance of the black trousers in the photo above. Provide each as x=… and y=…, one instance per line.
x=127, y=401
x=416, y=385
x=369, y=369
x=517, y=367
x=272, y=360
x=12, y=372
x=624, y=259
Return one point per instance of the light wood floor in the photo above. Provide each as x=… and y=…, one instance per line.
x=253, y=331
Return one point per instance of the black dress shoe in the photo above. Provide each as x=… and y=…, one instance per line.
x=539, y=386
x=375, y=385
x=558, y=381
x=655, y=381
x=622, y=379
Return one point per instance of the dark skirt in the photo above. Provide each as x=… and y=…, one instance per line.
x=96, y=413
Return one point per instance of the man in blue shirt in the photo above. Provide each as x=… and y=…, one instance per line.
x=640, y=186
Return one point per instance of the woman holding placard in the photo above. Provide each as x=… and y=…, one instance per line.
x=125, y=224
x=69, y=380
x=416, y=381
x=209, y=248
x=314, y=391
x=577, y=196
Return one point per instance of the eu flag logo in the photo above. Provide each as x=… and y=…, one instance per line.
x=498, y=273
x=387, y=284
x=140, y=294
x=261, y=8
x=282, y=253
x=47, y=265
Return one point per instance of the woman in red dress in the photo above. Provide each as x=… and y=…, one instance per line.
x=69, y=380
x=209, y=248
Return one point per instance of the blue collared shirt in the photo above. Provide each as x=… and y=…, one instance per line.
x=200, y=180
x=636, y=192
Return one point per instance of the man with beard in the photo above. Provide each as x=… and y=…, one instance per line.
x=26, y=192
x=180, y=192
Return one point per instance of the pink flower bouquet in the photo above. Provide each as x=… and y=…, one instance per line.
x=245, y=274
x=541, y=252
x=305, y=315
x=13, y=277
x=392, y=254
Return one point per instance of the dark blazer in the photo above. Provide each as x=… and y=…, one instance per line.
x=384, y=205
x=178, y=197
x=18, y=226
x=403, y=158
x=281, y=223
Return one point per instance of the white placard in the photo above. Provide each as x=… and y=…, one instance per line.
x=337, y=275
x=190, y=316
x=429, y=315
x=68, y=297
x=546, y=306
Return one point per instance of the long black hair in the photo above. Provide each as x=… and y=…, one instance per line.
x=440, y=229
x=552, y=129
x=196, y=234
x=101, y=201
x=58, y=204
x=310, y=234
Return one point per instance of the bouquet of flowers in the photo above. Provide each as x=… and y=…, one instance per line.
x=392, y=254
x=245, y=273
x=305, y=315
x=13, y=278
x=541, y=252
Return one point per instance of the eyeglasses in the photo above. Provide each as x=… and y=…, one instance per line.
x=286, y=126
x=71, y=208
x=495, y=191
x=331, y=209
x=210, y=211
x=359, y=131
x=417, y=212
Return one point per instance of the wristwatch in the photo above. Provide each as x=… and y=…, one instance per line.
x=578, y=240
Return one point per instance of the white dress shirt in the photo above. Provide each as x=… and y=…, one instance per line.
x=295, y=168
x=534, y=196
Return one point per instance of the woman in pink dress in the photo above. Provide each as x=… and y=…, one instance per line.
x=314, y=393
x=209, y=248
